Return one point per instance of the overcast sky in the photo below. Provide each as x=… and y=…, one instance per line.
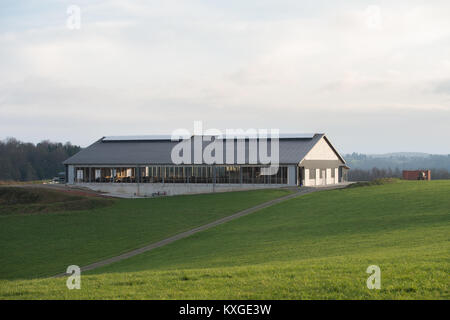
x=373, y=75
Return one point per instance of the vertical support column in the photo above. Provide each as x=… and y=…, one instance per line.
x=240, y=174
x=291, y=180
x=137, y=176
x=214, y=177
x=300, y=176
x=253, y=173
x=70, y=174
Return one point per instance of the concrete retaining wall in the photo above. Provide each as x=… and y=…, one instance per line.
x=147, y=189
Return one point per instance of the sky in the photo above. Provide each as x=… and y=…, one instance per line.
x=373, y=75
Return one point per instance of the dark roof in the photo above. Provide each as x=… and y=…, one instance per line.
x=121, y=151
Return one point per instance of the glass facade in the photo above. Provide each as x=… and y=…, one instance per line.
x=220, y=174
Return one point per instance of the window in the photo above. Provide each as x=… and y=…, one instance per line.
x=79, y=175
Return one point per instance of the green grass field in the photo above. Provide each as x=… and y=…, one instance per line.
x=317, y=246
x=38, y=245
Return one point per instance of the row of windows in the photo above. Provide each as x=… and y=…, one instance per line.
x=182, y=174
x=322, y=172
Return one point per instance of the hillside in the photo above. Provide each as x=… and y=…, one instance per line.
x=315, y=246
x=29, y=199
x=44, y=244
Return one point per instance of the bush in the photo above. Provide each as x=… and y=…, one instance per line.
x=375, y=182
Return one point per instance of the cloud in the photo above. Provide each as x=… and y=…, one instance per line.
x=150, y=66
x=442, y=87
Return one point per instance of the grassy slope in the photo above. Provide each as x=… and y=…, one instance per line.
x=45, y=244
x=315, y=246
x=25, y=200
x=329, y=223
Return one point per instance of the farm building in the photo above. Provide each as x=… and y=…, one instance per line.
x=416, y=174
x=143, y=165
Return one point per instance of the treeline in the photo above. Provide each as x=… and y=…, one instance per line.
x=21, y=161
x=403, y=161
x=376, y=173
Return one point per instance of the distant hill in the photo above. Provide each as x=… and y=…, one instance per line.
x=366, y=167
x=398, y=160
x=401, y=155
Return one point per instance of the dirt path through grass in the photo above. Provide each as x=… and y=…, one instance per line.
x=188, y=233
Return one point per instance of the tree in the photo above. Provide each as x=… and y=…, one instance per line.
x=26, y=161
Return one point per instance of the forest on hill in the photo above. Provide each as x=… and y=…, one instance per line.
x=24, y=161
x=366, y=167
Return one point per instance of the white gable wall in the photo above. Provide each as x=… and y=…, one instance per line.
x=321, y=151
